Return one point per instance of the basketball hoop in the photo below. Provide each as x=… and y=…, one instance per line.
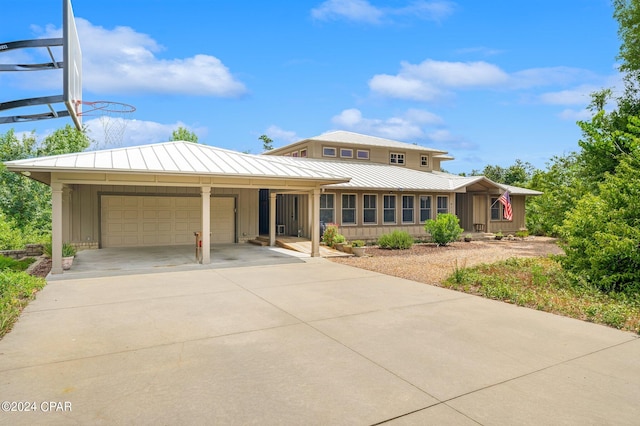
x=112, y=116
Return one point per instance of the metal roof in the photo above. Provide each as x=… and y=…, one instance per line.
x=375, y=176
x=351, y=138
x=177, y=157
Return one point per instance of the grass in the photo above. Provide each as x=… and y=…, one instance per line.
x=541, y=283
x=16, y=290
x=15, y=265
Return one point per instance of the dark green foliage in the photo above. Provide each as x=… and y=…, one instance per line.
x=396, y=240
x=15, y=265
x=25, y=204
x=601, y=236
x=518, y=174
x=445, y=229
x=267, y=142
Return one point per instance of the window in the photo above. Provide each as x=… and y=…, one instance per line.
x=328, y=152
x=303, y=153
x=407, y=208
x=443, y=204
x=497, y=209
x=424, y=160
x=348, y=209
x=389, y=209
x=346, y=153
x=326, y=208
x=294, y=154
x=369, y=202
x=396, y=158
x=425, y=208
x=362, y=154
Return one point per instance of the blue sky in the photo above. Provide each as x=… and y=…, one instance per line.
x=488, y=81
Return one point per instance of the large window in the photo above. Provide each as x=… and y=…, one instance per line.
x=327, y=208
x=389, y=209
x=425, y=208
x=348, y=209
x=396, y=158
x=443, y=204
x=407, y=208
x=369, y=208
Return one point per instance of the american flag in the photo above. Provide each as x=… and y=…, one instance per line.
x=505, y=200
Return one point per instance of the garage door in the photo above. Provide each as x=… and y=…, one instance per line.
x=133, y=221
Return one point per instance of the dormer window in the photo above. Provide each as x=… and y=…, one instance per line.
x=396, y=158
x=424, y=160
x=328, y=151
x=346, y=152
x=362, y=154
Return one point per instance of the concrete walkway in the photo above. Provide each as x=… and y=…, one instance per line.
x=310, y=342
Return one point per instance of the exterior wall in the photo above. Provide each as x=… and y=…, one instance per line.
x=314, y=149
x=84, y=208
x=511, y=226
x=371, y=232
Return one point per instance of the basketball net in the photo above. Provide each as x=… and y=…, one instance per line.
x=112, y=117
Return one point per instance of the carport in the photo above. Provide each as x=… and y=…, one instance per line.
x=160, y=194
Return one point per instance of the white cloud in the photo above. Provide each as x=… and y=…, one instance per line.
x=135, y=132
x=278, y=134
x=573, y=115
x=431, y=80
x=407, y=127
x=363, y=11
x=578, y=96
x=121, y=60
x=352, y=10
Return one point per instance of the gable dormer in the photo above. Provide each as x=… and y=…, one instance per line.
x=356, y=147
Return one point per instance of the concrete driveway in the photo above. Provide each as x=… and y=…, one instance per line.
x=309, y=342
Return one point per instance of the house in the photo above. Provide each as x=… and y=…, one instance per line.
x=162, y=194
x=394, y=185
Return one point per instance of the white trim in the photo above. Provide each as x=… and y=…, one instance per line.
x=335, y=151
x=355, y=208
x=345, y=150
x=420, y=207
x=398, y=156
x=394, y=209
x=364, y=223
x=366, y=151
x=402, y=209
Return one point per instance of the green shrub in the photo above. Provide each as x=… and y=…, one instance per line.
x=357, y=243
x=523, y=233
x=445, y=229
x=16, y=290
x=396, y=240
x=68, y=250
x=15, y=265
x=331, y=236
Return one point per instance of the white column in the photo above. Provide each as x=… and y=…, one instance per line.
x=206, y=224
x=315, y=223
x=56, y=228
x=272, y=219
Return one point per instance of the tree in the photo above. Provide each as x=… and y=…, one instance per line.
x=601, y=236
x=267, y=142
x=518, y=174
x=24, y=202
x=182, y=134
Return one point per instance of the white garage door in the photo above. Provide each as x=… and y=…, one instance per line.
x=133, y=221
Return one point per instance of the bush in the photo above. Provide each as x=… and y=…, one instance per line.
x=16, y=290
x=357, y=243
x=15, y=265
x=445, y=229
x=331, y=236
x=68, y=250
x=396, y=240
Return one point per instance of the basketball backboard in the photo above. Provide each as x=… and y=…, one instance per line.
x=72, y=75
x=72, y=57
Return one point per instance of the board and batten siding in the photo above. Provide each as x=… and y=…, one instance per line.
x=84, y=207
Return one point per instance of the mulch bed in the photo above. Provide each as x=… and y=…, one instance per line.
x=41, y=267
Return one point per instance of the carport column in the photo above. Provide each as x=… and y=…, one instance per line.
x=272, y=219
x=56, y=228
x=315, y=223
x=206, y=224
